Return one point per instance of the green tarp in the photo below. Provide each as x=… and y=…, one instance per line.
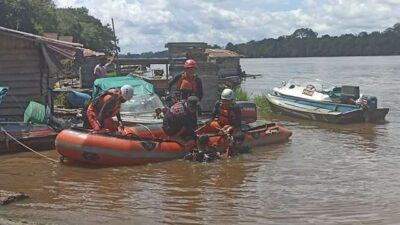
x=35, y=113
x=3, y=92
x=140, y=86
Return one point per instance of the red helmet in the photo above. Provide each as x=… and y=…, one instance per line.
x=190, y=63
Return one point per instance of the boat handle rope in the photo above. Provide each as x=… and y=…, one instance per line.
x=147, y=129
x=30, y=149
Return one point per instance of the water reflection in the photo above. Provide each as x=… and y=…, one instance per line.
x=358, y=135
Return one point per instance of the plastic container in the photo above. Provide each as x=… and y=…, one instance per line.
x=35, y=113
x=77, y=99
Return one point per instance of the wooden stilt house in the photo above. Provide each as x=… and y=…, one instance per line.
x=27, y=64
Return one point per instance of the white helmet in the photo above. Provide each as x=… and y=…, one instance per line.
x=227, y=94
x=127, y=92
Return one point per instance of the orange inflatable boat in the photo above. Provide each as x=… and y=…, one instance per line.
x=149, y=144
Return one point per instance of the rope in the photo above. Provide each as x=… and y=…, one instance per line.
x=147, y=129
x=30, y=149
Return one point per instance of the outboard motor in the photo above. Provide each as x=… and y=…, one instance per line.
x=368, y=102
x=248, y=111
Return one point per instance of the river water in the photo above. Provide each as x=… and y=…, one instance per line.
x=325, y=174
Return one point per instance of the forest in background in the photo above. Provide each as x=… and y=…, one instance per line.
x=41, y=16
x=304, y=42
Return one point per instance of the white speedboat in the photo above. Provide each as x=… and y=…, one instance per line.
x=310, y=89
x=319, y=100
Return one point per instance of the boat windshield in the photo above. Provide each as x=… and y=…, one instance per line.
x=319, y=85
x=142, y=104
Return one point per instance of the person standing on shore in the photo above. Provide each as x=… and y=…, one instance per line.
x=100, y=70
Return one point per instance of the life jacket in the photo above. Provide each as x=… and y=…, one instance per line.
x=101, y=99
x=190, y=79
x=225, y=115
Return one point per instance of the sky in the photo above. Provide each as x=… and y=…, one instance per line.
x=146, y=25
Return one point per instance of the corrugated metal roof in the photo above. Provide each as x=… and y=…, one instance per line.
x=221, y=53
x=39, y=38
x=53, y=50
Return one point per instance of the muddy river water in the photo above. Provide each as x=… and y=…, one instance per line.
x=325, y=174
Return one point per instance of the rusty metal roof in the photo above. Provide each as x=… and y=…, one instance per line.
x=34, y=37
x=221, y=53
x=90, y=53
x=53, y=50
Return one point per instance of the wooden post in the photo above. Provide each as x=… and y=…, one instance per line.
x=116, y=49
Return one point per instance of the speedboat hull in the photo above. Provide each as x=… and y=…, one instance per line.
x=325, y=111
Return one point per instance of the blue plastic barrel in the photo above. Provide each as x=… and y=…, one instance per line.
x=77, y=99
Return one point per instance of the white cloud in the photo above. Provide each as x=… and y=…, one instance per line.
x=146, y=25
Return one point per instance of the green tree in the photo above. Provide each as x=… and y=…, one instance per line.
x=304, y=43
x=85, y=29
x=304, y=33
x=33, y=16
x=40, y=16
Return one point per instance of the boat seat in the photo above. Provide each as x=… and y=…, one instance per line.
x=336, y=92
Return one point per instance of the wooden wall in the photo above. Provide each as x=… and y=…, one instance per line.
x=22, y=72
x=208, y=73
x=86, y=77
x=228, y=66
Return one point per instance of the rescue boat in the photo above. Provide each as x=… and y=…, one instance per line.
x=148, y=144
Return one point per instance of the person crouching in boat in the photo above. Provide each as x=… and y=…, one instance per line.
x=226, y=114
x=180, y=121
x=107, y=105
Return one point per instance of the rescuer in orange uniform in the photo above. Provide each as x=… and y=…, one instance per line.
x=226, y=114
x=187, y=82
x=106, y=106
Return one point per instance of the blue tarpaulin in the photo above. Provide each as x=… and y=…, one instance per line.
x=140, y=86
x=3, y=92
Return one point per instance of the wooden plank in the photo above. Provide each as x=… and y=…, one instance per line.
x=17, y=84
x=14, y=104
x=6, y=112
x=20, y=77
x=15, y=52
x=9, y=42
x=18, y=51
x=9, y=61
x=19, y=57
x=28, y=64
x=22, y=70
x=21, y=98
x=28, y=90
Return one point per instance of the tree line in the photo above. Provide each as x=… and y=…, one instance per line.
x=305, y=42
x=159, y=54
x=41, y=16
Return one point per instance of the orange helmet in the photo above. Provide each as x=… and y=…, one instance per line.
x=190, y=63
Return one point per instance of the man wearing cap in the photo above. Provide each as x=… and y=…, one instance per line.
x=188, y=83
x=181, y=120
